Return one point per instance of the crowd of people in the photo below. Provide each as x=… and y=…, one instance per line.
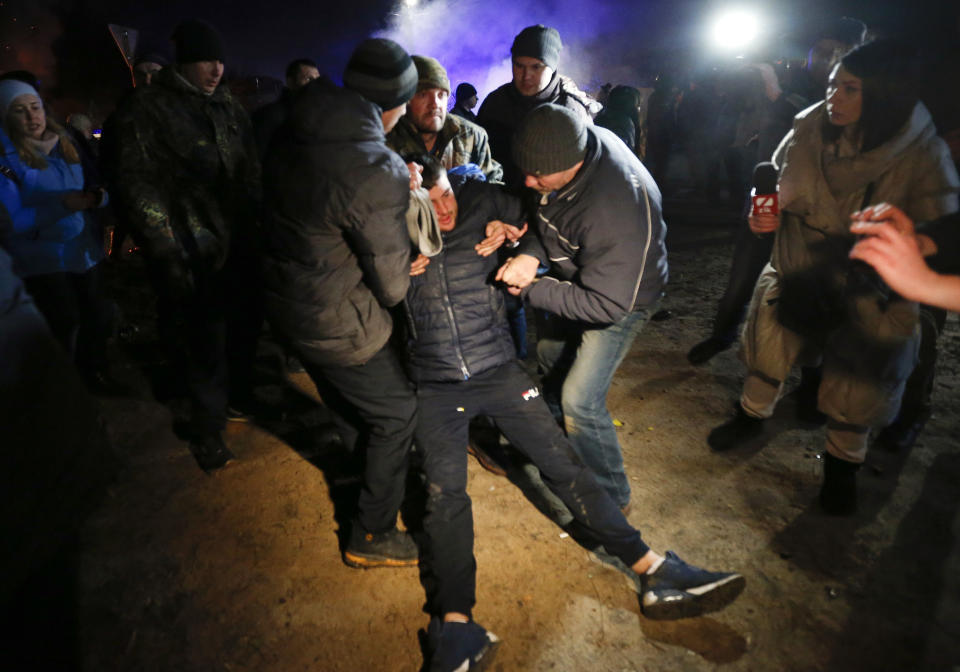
x=391, y=244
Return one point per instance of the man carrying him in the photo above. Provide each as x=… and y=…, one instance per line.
x=536, y=54
x=462, y=359
x=337, y=260
x=270, y=117
x=602, y=234
x=426, y=128
x=187, y=182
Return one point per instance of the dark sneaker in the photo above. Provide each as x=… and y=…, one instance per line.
x=737, y=431
x=484, y=444
x=459, y=647
x=211, y=453
x=678, y=590
x=387, y=549
x=704, y=351
x=485, y=459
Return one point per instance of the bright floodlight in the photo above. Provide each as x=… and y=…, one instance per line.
x=734, y=29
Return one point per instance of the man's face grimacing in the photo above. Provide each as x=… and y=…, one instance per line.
x=530, y=75
x=428, y=109
x=547, y=184
x=444, y=203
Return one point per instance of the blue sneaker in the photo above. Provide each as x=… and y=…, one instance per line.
x=459, y=647
x=678, y=590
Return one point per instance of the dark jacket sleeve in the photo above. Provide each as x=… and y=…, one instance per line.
x=139, y=176
x=612, y=261
x=378, y=236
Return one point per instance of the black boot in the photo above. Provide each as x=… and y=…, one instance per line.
x=838, y=495
x=902, y=433
x=735, y=432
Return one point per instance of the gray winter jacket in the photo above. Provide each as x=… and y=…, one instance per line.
x=602, y=236
x=338, y=251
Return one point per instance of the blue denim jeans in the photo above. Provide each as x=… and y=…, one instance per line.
x=578, y=362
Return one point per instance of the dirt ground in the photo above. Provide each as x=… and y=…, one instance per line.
x=242, y=570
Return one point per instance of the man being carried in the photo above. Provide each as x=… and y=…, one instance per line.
x=426, y=128
x=463, y=362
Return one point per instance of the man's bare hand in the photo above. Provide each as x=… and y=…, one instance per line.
x=895, y=256
x=419, y=265
x=518, y=271
x=416, y=180
x=496, y=233
x=897, y=219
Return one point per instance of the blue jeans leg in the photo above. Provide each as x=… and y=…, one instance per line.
x=583, y=394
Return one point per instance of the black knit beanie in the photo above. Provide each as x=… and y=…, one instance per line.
x=538, y=42
x=465, y=90
x=382, y=72
x=198, y=41
x=550, y=139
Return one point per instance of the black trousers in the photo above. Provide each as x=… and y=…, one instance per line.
x=212, y=335
x=378, y=399
x=508, y=396
x=750, y=254
x=80, y=318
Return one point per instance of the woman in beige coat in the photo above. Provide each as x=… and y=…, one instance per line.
x=871, y=140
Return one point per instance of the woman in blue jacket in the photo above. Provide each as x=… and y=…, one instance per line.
x=55, y=246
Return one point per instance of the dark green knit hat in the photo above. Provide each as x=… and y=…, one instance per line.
x=430, y=74
x=550, y=139
x=382, y=72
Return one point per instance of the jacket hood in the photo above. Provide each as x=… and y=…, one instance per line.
x=325, y=112
x=856, y=171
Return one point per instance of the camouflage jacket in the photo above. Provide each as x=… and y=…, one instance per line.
x=458, y=142
x=187, y=177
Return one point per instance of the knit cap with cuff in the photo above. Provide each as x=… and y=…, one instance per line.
x=550, y=139
x=538, y=42
x=382, y=72
x=430, y=74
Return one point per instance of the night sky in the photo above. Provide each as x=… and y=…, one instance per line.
x=67, y=43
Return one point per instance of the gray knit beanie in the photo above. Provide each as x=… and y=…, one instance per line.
x=382, y=72
x=550, y=139
x=538, y=42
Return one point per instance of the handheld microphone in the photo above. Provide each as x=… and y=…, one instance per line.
x=763, y=196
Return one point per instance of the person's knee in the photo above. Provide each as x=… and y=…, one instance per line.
x=447, y=503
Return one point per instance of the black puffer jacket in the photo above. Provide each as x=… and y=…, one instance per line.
x=503, y=109
x=459, y=320
x=338, y=251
